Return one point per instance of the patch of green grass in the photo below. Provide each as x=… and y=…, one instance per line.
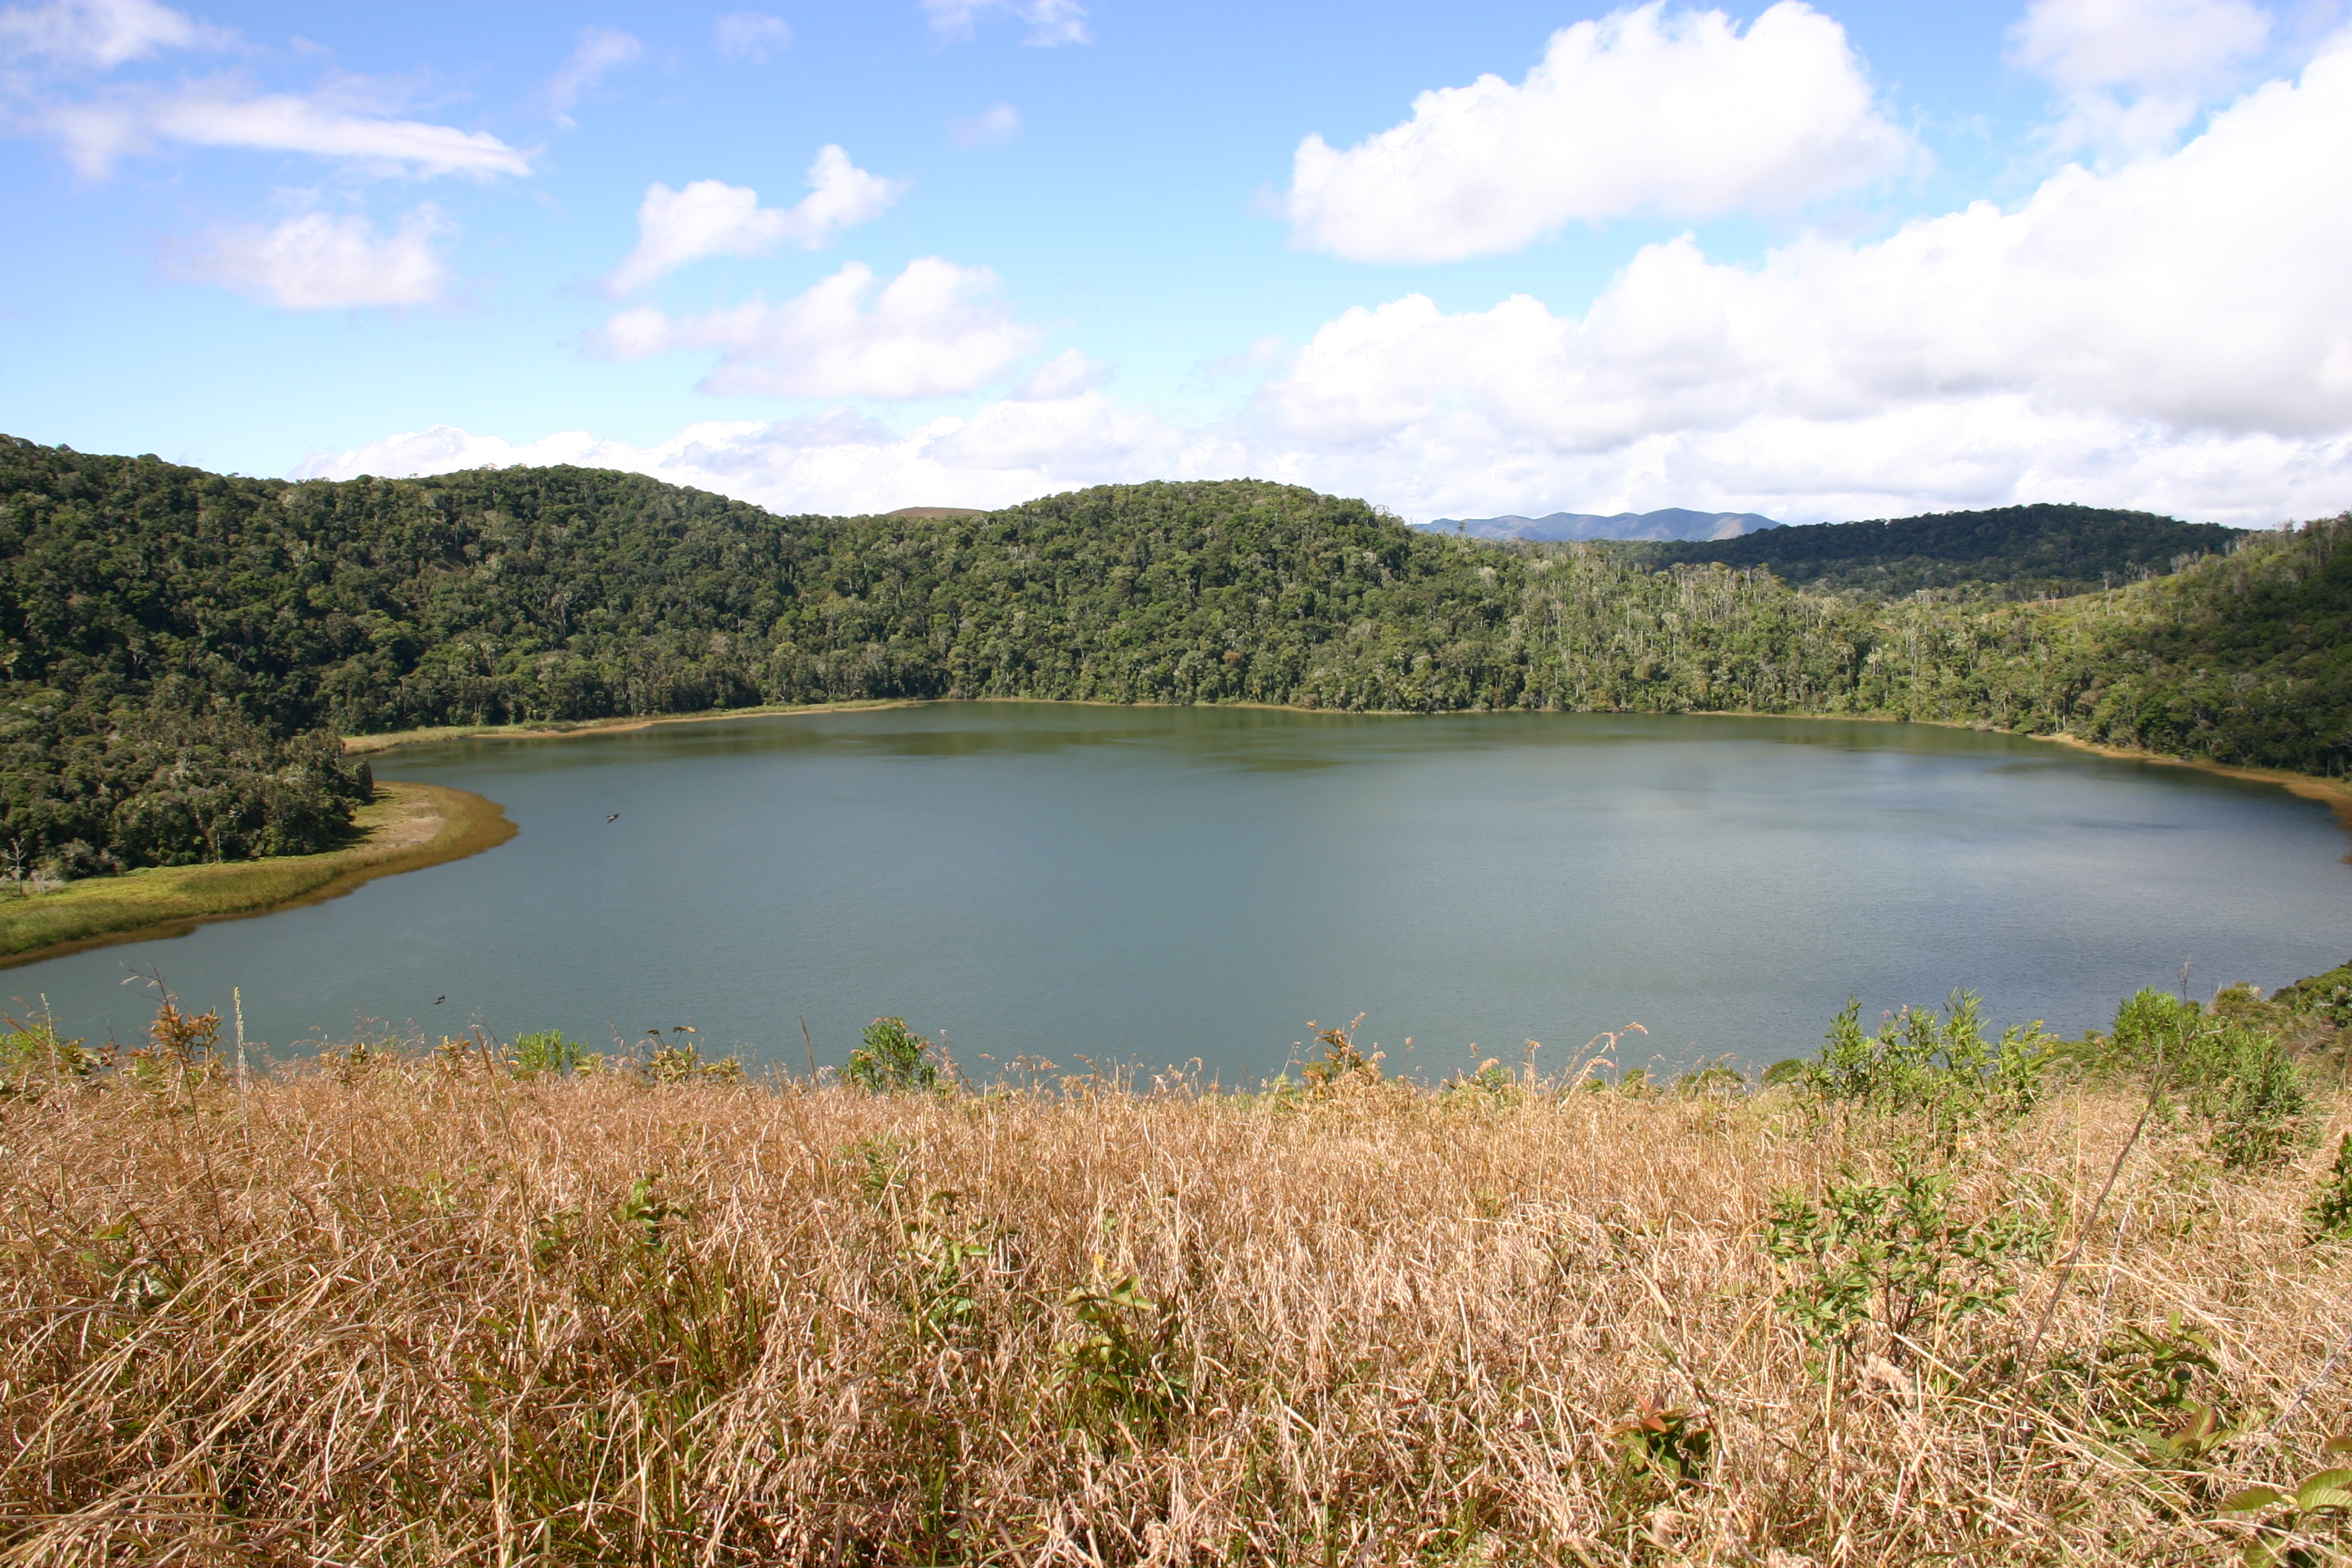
x=165, y=900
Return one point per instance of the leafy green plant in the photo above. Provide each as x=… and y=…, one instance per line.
x=547, y=1054
x=648, y=1212
x=35, y=1059
x=1342, y=1058
x=1115, y=1368
x=892, y=1058
x=937, y=1254
x=2254, y=1100
x=1669, y=1444
x=1938, y=1066
x=2320, y=1502
x=2330, y=1211
x=2326, y=997
x=1892, y=1259
x=681, y=1063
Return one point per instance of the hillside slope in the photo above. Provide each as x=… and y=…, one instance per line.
x=180, y=645
x=2019, y=552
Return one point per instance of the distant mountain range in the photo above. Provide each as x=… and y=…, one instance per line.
x=1666, y=522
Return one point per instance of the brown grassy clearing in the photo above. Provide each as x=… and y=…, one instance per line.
x=408, y=1311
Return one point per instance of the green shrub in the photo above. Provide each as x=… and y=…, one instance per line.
x=2330, y=1212
x=547, y=1054
x=892, y=1058
x=1939, y=1066
x=1892, y=1258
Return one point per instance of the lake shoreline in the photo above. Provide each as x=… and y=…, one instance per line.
x=2335, y=793
x=406, y=827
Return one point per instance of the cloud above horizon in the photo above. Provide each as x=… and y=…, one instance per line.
x=103, y=34
x=319, y=262
x=1643, y=112
x=935, y=330
x=2083, y=344
x=2131, y=74
x=1051, y=22
x=709, y=217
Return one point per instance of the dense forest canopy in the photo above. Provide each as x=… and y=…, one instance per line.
x=179, y=646
x=2011, y=551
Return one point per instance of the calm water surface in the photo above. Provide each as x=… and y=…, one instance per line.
x=1157, y=885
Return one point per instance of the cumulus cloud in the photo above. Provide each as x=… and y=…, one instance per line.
x=319, y=262
x=222, y=114
x=934, y=330
x=840, y=462
x=2131, y=74
x=1066, y=374
x=597, y=53
x=713, y=218
x=1051, y=22
x=103, y=33
x=1641, y=113
x=2090, y=344
x=751, y=35
x=999, y=122
x=2095, y=294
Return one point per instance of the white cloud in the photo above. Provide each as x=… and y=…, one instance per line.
x=103, y=33
x=1640, y=112
x=2175, y=334
x=1051, y=22
x=2132, y=74
x=999, y=122
x=1066, y=374
x=322, y=262
x=595, y=54
x=2081, y=44
x=711, y=218
x=221, y=113
x=751, y=35
x=934, y=330
x=839, y=462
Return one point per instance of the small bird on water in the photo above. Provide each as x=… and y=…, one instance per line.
x=439, y=1000
x=614, y=817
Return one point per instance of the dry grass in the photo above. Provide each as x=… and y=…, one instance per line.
x=426, y=1312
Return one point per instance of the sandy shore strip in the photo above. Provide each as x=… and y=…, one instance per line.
x=406, y=827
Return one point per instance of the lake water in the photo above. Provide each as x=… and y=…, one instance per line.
x=1159, y=884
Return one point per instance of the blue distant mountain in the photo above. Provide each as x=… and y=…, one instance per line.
x=1666, y=522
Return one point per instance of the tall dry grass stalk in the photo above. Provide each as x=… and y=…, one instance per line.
x=417, y=1312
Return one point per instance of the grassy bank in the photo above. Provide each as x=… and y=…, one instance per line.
x=368, y=746
x=447, y=1308
x=407, y=825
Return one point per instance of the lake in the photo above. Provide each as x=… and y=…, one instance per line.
x=1165, y=884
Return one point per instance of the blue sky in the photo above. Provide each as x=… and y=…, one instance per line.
x=1819, y=263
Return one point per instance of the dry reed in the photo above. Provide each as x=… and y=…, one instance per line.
x=410, y=1312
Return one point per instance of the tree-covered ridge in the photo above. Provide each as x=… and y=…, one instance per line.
x=139, y=594
x=2013, y=552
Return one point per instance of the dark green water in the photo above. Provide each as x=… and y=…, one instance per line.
x=1166, y=884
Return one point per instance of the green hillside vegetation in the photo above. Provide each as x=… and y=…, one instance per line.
x=2013, y=551
x=179, y=645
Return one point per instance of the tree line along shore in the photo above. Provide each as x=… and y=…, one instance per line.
x=181, y=650
x=1932, y=1293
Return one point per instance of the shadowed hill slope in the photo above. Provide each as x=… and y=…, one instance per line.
x=2019, y=551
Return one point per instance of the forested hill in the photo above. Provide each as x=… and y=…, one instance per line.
x=2014, y=552
x=179, y=645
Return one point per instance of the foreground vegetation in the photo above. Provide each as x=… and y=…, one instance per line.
x=1932, y=1295
x=181, y=648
